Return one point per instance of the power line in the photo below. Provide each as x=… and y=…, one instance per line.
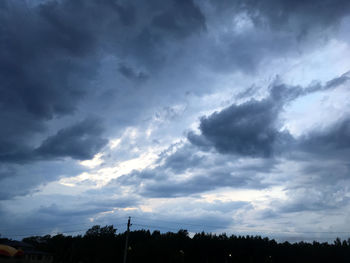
x=59, y=225
x=66, y=224
x=246, y=229
x=181, y=223
x=203, y=226
x=156, y=227
x=52, y=233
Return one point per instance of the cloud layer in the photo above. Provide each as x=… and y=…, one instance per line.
x=234, y=112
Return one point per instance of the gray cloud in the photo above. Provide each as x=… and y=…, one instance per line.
x=45, y=69
x=131, y=74
x=147, y=65
x=331, y=142
x=319, y=196
x=21, y=180
x=55, y=211
x=200, y=183
x=51, y=53
x=85, y=209
x=248, y=129
x=80, y=141
x=60, y=213
x=52, y=69
x=109, y=203
x=300, y=16
x=253, y=127
x=183, y=159
x=248, y=51
x=257, y=33
x=181, y=19
x=177, y=176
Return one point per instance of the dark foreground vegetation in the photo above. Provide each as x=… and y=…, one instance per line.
x=102, y=244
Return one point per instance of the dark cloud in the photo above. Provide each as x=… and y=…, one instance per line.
x=199, y=184
x=43, y=63
x=331, y=142
x=20, y=180
x=44, y=70
x=299, y=16
x=181, y=19
x=55, y=210
x=253, y=127
x=183, y=159
x=324, y=173
x=10, y=189
x=61, y=61
x=318, y=197
x=178, y=176
x=343, y=79
x=248, y=51
x=160, y=24
x=80, y=141
x=260, y=32
x=248, y=129
x=50, y=59
x=226, y=207
x=61, y=212
x=85, y=209
x=131, y=74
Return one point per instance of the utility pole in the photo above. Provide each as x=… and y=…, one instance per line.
x=127, y=240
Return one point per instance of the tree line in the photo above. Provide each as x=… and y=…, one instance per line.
x=103, y=244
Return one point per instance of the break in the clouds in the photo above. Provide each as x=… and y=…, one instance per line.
x=217, y=113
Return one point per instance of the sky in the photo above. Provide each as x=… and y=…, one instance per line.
x=215, y=116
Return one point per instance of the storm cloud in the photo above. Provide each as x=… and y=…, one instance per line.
x=248, y=129
x=202, y=111
x=51, y=56
x=293, y=15
x=80, y=141
x=254, y=128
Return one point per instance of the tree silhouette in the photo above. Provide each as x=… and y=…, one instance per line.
x=103, y=244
